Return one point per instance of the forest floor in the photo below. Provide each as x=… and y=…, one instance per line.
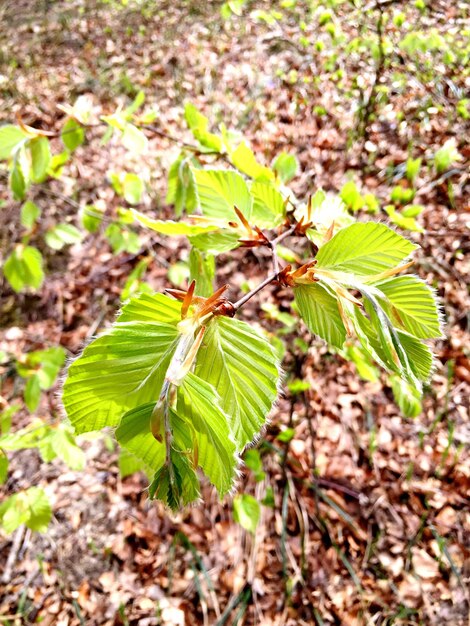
x=371, y=516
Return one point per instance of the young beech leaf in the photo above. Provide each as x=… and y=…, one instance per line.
x=125, y=367
x=169, y=227
x=219, y=191
x=245, y=161
x=319, y=310
x=133, y=434
x=129, y=464
x=202, y=269
x=246, y=511
x=199, y=404
x=11, y=137
x=242, y=366
x=286, y=166
x=364, y=249
x=23, y=268
x=269, y=208
x=410, y=303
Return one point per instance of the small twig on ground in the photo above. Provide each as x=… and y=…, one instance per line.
x=14, y=550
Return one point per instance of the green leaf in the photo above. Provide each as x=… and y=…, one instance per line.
x=122, y=239
x=29, y=214
x=134, y=139
x=411, y=305
x=56, y=166
x=169, y=227
x=202, y=269
x=219, y=191
x=194, y=118
x=30, y=507
x=133, y=188
x=62, y=235
x=40, y=158
x=245, y=161
x=133, y=434
x=91, y=217
x=252, y=459
x=351, y=196
x=363, y=363
x=412, y=169
x=246, y=511
x=175, y=485
x=319, y=310
x=216, y=242
x=199, y=404
x=45, y=364
x=65, y=447
x=418, y=354
x=23, y=268
x=406, y=396
x=269, y=208
x=125, y=367
x=403, y=221
x=3, y=467
x=17, y=181
x=32, y=393
x=199, y=124
x=10, y=138
x=241, y=365
x=134, y=285
x=364, y=249
x=73, y=135
x=129, y=464
x=181, y=188
x=286, y=166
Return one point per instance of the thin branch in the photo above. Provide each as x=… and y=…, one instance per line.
x=269, y=279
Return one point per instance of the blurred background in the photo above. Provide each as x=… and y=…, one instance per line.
x=364, y=515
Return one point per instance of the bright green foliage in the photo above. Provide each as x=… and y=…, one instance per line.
x=351, y=196
x=269, y=207
x=253, y=461
x=395, y=312
x=319, y=310
x=40, y=158
x=406, y=396
x=23, y=268
x=129, y=186
x=40, y=368
x=72, y=135
x=30, y=507
x=285, y=165
x=91, y=217
x=198, y=125
x=29, y=214
x=62, y=235
x=446, y=156
x=202, y=270
x=11, y=137
x=3, y=467
x=411, y=304
x=240, y=363
x=218, y=191
x=246, y=511
x=244, y=160
x=125, y=367
x=51, y=441
x=364, y=249
x=213, y=413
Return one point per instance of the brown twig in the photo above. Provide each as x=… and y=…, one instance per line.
x=273, y=276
